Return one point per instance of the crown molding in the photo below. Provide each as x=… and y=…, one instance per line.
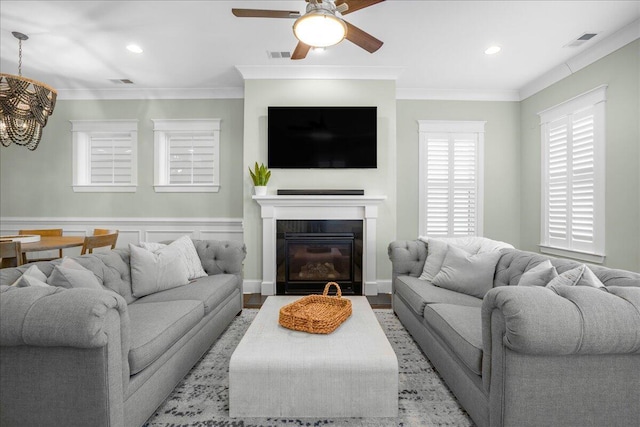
x=307, y=72
x=151, y=93
x=456, y=94
x=598, y=51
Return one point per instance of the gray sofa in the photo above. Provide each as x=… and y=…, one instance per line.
x=523, y=355
x=88, y=357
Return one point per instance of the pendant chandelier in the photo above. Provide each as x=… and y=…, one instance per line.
x=25, y=106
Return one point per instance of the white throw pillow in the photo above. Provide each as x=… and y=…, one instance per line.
x=187, y=250
x=34, y=272
x=539, y=275
x=466, y=273
x=156, y=271
x=436, y=251
x=579, y=276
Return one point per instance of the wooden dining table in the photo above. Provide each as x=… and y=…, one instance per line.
x=47, y=243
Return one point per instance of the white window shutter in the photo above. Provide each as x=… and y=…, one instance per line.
x=451, y=178
x=111, y=158
x=191, y=159
x=573, y=177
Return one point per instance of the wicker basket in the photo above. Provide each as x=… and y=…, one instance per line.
x=316, y=314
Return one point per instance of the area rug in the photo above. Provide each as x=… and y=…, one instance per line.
x=202, y=398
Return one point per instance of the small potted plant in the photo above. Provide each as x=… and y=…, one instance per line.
x=260, y=176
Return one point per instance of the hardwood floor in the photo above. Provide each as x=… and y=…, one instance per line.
x=376, y=301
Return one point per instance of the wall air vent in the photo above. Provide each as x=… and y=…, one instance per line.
x=121, y=81
x=581, y=40
x=279, y=55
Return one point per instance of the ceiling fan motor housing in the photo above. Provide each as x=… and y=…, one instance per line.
x=320, y=26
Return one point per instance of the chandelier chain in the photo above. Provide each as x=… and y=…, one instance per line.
x=20, y=57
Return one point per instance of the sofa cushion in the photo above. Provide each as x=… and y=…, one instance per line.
x=460, y=328
x=211, y=290
x=466, y=273
x=418, y=293
x=156, y=326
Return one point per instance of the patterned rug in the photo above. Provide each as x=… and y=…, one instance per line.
x=202, y=397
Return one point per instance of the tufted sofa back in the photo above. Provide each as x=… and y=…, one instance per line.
x=514, y=262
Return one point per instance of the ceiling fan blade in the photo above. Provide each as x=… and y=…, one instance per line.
x=361, y=38
x=301, y=50
x=260, y=13
x=356, y=4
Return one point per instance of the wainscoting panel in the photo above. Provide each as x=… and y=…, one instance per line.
x=132, y=230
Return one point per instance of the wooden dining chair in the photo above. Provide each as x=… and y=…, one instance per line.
x=10, y=254
x=100, y=231
x=48, y=232
x=99, y=241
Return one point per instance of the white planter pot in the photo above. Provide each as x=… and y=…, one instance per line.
x=260, y=190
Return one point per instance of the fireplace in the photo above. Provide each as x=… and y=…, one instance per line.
x=310, y=253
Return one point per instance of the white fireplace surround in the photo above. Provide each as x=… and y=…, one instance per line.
x=364, y=208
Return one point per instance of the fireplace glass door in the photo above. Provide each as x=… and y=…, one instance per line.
x=314, y=259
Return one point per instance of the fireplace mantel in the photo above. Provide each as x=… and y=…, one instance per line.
x=322, y=207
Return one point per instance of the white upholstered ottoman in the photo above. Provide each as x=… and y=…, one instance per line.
x=277, y=372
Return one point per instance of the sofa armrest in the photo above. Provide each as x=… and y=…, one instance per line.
x=407, y=257
x=55, y=316
x=221, y=256
x=579, y=320
x=63, y=356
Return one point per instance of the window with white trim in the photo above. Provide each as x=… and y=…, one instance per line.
x=105, y=155
x=451, y=178
x=573, y=175
x=187, y=155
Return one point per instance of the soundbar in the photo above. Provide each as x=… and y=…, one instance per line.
x=288, y=192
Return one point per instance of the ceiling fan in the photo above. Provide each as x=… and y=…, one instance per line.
x=321, y=25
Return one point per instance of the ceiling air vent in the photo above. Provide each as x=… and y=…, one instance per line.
x=279, y=55
x=121, y=81
x=581, y=40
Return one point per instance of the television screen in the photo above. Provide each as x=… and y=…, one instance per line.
x=322, y=137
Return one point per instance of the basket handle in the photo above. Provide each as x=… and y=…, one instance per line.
x=328, y=285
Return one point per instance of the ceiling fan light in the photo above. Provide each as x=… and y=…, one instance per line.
x=320, y=29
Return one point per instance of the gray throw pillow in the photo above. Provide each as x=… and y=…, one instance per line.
x=33, y=272
x=466, y=273
x=539, y=275
x=66, y=277
x=25, y=281
x=156, y=271
x=579, y=276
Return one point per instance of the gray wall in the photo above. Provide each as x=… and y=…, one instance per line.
x=39, y=183
x=501, y=168
x=620, y=71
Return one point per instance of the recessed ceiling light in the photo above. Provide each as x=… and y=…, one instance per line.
x=493, y=50
x=134, y=48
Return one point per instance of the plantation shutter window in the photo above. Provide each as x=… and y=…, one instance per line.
x=187, y=155
x=573, y=177
x=451, y=178
x=104, y=155
x=111, y=158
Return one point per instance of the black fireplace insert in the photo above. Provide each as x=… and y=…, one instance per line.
x=312, y=253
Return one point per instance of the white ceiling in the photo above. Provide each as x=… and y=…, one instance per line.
x=193, y=46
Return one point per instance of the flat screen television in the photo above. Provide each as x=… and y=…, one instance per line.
x=322, y=137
